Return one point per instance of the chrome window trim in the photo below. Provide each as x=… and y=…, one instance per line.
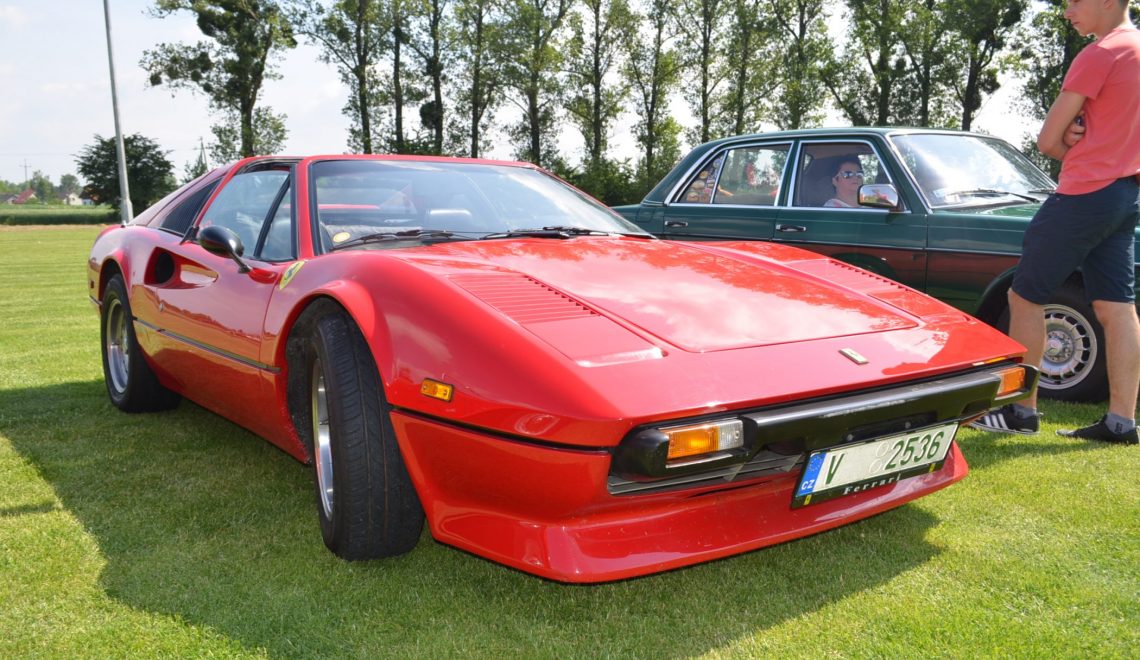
x=841, y=140
x=677, y=189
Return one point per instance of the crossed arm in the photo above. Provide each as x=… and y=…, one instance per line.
x=1061, y=129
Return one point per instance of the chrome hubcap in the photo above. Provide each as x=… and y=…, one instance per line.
x=322, y=444
x=118, y=355
x=1070, y=348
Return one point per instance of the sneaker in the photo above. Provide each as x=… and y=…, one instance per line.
x=1004, y=420
x=1100, y=431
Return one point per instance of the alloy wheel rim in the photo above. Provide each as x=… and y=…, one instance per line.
x=1070, y=348
x=322, y=439
x=118, y=355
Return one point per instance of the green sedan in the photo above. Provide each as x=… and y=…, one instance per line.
x=940, y=211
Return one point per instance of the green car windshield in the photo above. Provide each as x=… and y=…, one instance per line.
x=954, y=170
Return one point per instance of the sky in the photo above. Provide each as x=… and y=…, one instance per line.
x=55, y=91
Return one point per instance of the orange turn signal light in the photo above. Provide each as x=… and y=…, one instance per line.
x=696, y=439
x=436, y=389
x=1012, y=381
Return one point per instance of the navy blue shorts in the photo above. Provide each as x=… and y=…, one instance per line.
x=1094, y=232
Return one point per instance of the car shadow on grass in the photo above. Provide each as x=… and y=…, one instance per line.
x=204, y=522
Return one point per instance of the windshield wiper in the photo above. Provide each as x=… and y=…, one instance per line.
x=989, y=191
x=384, y=236
x=1043, y=191
x=560, y=232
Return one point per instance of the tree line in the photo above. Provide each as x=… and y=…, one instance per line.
x=445, y=76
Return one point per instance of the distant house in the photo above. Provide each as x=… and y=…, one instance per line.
x=6, y=198
x=24, y=197
x=70, y=199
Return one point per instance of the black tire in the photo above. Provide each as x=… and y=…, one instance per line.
x=366, y=502
x=1074, y=367
x=131, y=384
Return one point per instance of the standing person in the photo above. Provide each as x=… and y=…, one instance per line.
x=1093, y=128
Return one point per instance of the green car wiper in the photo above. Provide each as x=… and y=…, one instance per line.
x=989, y=191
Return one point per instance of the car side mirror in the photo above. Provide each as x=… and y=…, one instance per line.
x=223, y=242
x=879, y=196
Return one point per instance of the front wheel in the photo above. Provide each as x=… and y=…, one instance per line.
x=366, y=502
x=131, y=384
x=1073, y=367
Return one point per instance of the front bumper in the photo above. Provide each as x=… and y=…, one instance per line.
x=574, y=515
x=546, y=511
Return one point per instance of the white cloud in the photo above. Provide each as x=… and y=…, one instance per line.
x=12, y=17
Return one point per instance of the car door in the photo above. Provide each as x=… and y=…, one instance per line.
x=731, y=195
x=890, y=243
x=211, y=315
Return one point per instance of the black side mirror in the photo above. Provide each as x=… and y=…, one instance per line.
x=879, y=196
x=223, y=242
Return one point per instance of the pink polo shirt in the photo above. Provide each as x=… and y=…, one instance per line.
x=1107, y=73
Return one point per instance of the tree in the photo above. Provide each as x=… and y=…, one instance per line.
x=749, y=69
x=653, y=71
x=925, y=95
x=594, y=49
x=801, y=33
x=399, y=84
x=980, y=29
x=198, y=166
x=69, y=183
x=149, y=172
x=268, y=136
x=229, y=69
x=350, y=36
x=863, y=82
x=42, y=186
x=428, y=40
x=480, y=54
x=700, y=24
x=532, y=33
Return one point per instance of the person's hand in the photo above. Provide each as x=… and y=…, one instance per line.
x=1076, y=131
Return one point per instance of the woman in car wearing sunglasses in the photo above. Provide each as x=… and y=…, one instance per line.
x=847, y=179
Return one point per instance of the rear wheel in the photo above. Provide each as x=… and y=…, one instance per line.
x=131, y=384
x=1074, y=366
x=366, y=502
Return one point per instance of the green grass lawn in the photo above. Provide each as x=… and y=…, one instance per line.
x=179, y=534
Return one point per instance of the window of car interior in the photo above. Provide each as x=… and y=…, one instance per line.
x=819, y=162
x=247, y=203
x=179, y=219
x=278, y=240
x=748, y=175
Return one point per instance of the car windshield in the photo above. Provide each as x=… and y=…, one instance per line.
x=970, y=170
x=400, y=203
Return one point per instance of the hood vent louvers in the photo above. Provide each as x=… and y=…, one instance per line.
x=522, y=298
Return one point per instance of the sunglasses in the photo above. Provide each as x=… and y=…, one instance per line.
x=849, y=175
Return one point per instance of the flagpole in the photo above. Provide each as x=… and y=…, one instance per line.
x=124, y=189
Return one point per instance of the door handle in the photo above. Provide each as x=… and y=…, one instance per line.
x=676, y=223
x=794, y=229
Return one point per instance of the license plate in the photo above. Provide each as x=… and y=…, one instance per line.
x=850, y=469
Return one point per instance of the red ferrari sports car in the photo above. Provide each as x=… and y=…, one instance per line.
x=481, y=345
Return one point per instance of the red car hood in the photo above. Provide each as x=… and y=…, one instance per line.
x=697, y=297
